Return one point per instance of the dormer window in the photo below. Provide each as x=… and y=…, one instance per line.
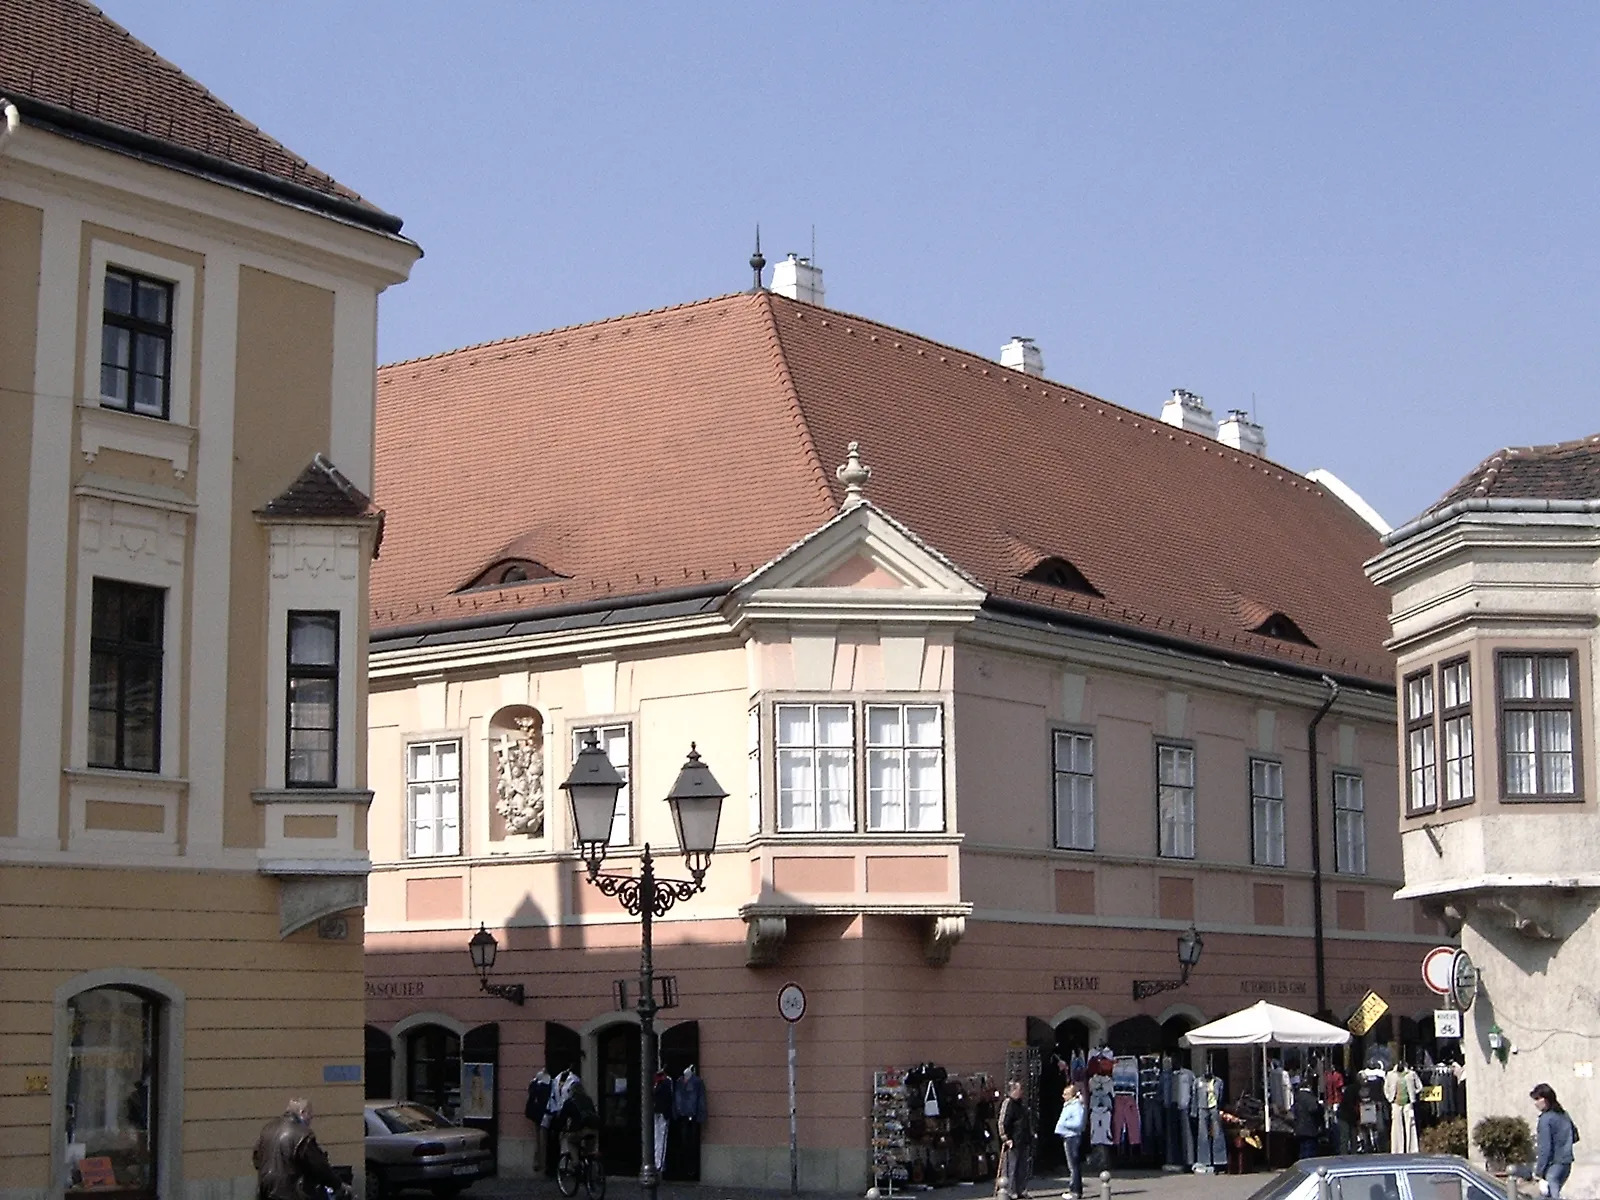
x=1281, y=627
x=508, y=572
x=1057, y=572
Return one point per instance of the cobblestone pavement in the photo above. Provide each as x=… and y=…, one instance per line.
x=1147, y=1185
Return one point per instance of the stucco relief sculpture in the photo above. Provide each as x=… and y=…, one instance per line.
x=519, y=760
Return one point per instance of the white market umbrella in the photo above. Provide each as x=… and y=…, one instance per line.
x=1264, y=1025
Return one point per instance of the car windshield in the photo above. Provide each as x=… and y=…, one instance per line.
x=1283, y=1185
x=411, y=1118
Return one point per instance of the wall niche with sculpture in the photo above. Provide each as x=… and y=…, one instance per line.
x=516, y=752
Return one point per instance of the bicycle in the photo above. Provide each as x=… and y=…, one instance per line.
x=586, y=1165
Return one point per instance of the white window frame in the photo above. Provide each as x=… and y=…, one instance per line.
x=1268, y=813
x=901, y=754
x=1074, y=814
x=1349, y=823
x=608, y=732
x=814, y=750
x=1175, y=801
x=415, y=787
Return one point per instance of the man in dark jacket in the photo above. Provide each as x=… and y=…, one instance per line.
x=1308, y=1119
x=289, y=1163
x=1016, y=1140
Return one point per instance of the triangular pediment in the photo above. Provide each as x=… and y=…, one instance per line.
x=861, y=558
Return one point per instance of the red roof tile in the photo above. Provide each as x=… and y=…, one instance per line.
x=70, y=56
x=695, y=443
x=1564, y=471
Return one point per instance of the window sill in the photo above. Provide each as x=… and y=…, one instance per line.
x=312, y=796
x=152, y=437
x=854, y=839
x=1565, y=798
x=149, y=780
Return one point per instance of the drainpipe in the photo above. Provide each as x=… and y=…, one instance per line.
x=10, y=119
x=1316, y=847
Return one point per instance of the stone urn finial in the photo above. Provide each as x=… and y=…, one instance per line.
x=854, y=475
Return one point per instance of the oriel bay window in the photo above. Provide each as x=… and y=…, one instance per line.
x=1538, y=742
x=136, y=344
x=313, y=699
x=1455, y=716
x=1422, y=766
x=125, y=663
x=828, y=757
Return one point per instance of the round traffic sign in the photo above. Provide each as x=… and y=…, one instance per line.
x=791, y=1002
x=1436, y=969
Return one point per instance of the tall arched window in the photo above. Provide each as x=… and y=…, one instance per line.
x=113, y=1094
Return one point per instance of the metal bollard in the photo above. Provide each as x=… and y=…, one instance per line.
x=1105, y=1185
x=1324, y=1188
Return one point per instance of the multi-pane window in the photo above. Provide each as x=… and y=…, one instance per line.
x=136, y=344
x=1455, y=718
x=1073, y=760
x=125, y=651
x=1537, y=744
x=1349, y=824
x=905, y=768
x=433, y=799
x=816, y=768
x=614, y=740
x=1175, y=801
x=112, y=1088
x=1266, y=812
x=1422, y=767
x=313, y=694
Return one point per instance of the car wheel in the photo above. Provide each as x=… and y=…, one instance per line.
x=447, y=1191
x=377, y=1185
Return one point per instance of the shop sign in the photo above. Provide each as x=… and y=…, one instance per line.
x=1367, y=1014
x=394, y=989
x=1273, y=987
x=1433, y=1095
x=341, y=1073
x=1446, y=1023
x=1075, y=983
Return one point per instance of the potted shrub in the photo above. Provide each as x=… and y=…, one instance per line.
x=1504, y=1141
x=1447, y=1137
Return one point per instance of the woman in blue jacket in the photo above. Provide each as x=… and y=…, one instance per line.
x=1556, y=1134
x=1069, y=1128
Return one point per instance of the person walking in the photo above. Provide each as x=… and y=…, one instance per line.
x=1016, y=1142
x=1308, y=1118
x=289, y=1163
x=1553, y=1162
x=1069, y=1128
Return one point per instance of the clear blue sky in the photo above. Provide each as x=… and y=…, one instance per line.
x=1379, y=220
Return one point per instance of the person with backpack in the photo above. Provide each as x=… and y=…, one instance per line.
x=1556, y=1135
x=1069, y=1128
x=578, y=1117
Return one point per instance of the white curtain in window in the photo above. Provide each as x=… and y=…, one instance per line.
x=1350, y=824
x=1266, y=785
x=1458, y=759
x=835, y=769
x=1517, y=741
x=1555, y=753
x=1074, y=779
x=433, y=798
x=1176, y=801
x=1423, y=775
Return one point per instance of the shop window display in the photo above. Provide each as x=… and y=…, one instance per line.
x=930, y=1127
x=111, y=1092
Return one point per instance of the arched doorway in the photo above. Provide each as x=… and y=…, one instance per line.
x=617, y=1048
x=680, y=1052
x=379, y=1069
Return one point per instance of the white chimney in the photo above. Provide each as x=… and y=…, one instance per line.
x=1189, y=412
x=1020, y=354
x=1240, y=432
x=799, y=279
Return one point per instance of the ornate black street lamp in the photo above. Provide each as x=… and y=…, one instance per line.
x=696, y=800
x=483, y=949
x=1190, y=944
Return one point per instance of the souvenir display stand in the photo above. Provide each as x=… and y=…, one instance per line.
x=931, y=1128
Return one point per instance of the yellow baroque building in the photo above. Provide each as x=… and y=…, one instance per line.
x=186, y=369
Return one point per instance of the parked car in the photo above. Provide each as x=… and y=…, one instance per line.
x=411, y=1146
x=1384, y=1177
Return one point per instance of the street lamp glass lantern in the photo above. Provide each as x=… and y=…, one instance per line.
x=483, y=949
x=1190, y=944
x=696, y=799
x=592, y=788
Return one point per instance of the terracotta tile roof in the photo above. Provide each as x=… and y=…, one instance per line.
x=1564, y=471
x=695, y=443
x=321, y=490
x=71, y=57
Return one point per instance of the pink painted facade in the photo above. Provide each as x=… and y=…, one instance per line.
x=949, y=941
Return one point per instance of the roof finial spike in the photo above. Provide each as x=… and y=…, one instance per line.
x=853, y=474
x=757, y=263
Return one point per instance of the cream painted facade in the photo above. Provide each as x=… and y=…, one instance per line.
x=1487, y=587
x=945, y=943
x=170, y=902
